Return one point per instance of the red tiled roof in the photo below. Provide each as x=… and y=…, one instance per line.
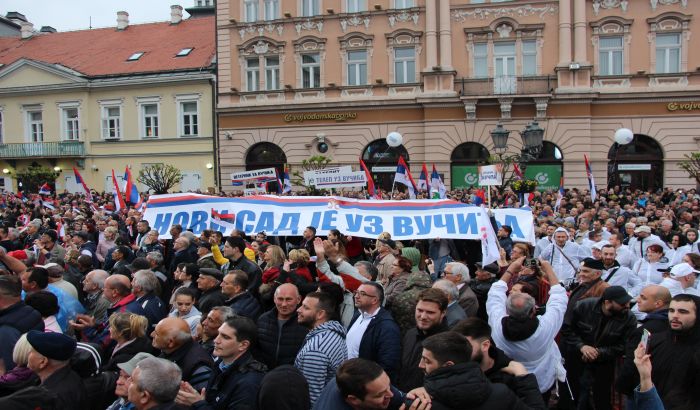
x=104, y=51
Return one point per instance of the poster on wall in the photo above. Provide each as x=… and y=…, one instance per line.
x=464, y=176
x=547, y=176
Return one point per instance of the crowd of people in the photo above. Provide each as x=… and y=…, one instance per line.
x=98, y=312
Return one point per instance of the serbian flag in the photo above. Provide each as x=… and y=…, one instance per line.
x=222, y=220
x=436, y=185
x=591, y=181
x=560, y=194
x=45, y=189
x=370, y=182
x=423, y=183
x=517, y=172
x=286, y=181
x=479, y=197
x=118, y=198
x=489, y=242
x=403, y=176
x=79, y=179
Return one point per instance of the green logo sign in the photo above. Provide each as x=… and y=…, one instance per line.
x=464, y=176
x=547, y=176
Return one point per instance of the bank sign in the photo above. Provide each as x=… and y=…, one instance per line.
x=548, y=177
x=289, y=216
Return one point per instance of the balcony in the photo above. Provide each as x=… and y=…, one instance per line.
x=507, y=85
x=42, y=150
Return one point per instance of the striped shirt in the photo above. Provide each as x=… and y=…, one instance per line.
x=324, y=350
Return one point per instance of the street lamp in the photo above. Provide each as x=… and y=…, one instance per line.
x=532, y=137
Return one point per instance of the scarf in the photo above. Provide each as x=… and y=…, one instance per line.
x=516, y=330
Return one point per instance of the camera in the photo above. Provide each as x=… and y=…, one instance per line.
x=322, y=147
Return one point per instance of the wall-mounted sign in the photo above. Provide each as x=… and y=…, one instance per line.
x=384, y=169
x=320, y=116
x=634, y=167
x=683, y=106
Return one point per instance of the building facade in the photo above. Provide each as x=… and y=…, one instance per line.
x=104, y=99
x=305, y=77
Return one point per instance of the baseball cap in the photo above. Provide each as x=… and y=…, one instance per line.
x=130, y=365
x=642, y=228
x=682, y=270
x=599, y=245
x=617, y=294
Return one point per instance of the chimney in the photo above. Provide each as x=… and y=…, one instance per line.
x=47, y=29
x=175, y=14
x=15, y=17
x=122, y=20
x=26, y=29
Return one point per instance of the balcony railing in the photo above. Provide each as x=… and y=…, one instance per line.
x=42, y=150
x=508, y=85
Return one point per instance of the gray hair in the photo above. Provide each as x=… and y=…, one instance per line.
x=630, y=225
x=459, y=268
x=189, y=236
x=448, y=287
x=146, y=280
x=98, y=277
x=156, y=257
x=226, y=312
x=369, y=267
x=520, y=305
x=36, y=222
x=13, y=233
x=160, y=377
x=154, y=231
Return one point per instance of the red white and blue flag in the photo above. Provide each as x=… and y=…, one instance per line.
x=479, y=197
x=373, y=193
x=403, y=176
x=423, y=183
x=591, y=181
x=131, y=191
x=517, y=172
x=45, y=189
x=284, y=184
x=79, y=179
x=117, y=193
x=437, y=187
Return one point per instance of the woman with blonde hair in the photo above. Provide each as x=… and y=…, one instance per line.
x=128, y=330
x=274, y=260
x=20, y=376
x=107, y=243
x=299, y=263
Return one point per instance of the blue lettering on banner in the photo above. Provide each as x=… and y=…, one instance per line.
x=181, y=218
x=289, y=222
x=316, y=219
x=266, y=222
x=329, y=220
x=243, y=217
x=423, y=223
x=467, y=223
x=512, y=221
x=199, y=221
x=162, y=224
x=354, y=222
x=403, y=226
x=375, y=225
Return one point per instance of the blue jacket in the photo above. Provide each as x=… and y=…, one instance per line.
x=235, y=387
x=245, y=304
x=330, y=399
x=154, y=309
x=381, y=342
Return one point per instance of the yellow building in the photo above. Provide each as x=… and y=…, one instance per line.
x=104, y=99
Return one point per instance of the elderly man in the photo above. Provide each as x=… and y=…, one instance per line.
x=211, y=324
x=521, y=333
x=126, y=369
x=49, y=250
x=154, y=384
x=33, y=233
x=181, y=253
x=485, y=278
x=385, y=259
x=209, y=283
x=95, y=303
x=144, y=286
x=455, y=313
x=49, y=359
x=564, y=255
x=280, y=336
x=234, y=286
x=458, y=273
x=173, y=338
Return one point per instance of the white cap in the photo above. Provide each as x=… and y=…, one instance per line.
x=599, y=245
x=642, y=228
x=682, y=270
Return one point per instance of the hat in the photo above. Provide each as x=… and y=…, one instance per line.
x=599, y=245
x=388, y=242
x=642, y=228
x=617, y=294
x=682, y=270
x=593, y=264
x=138, y=264
x=56, y=346
x=249, y=253
x=82, y=235
x=413, y=255
x=55, y=270
x=129, y=366
x=491, y=268
x=214, y=273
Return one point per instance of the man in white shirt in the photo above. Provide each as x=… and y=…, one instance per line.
x=623, y=255
x=564, y=256
x=614, y=273
x=373, y=334
x=681, y=280
x=642, y=240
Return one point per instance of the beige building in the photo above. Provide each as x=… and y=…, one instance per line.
x=104, y=99
x=302, y=77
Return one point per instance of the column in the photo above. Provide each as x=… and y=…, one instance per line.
x=580, y=36
x=445, y=36
x=430, y=35
x=564, y=32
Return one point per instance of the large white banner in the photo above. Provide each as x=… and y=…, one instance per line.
x=289, y=216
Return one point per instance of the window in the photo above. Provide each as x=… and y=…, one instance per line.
x=252, y=69
x=71, y=124
x=250, y=10
x=357, y=67
x=272, y=73
x=481, y=64
x=404, y=65
x=189, y=118
x=272, y=9
x=111, y=122
x=668, y=53
x=504, y=59
x=149, y=121
x=610, y=55
x=135, y=56
x=529, y=57
x=184, y=52
x=310, y=70
x=35, y=126
x=354, y=6
x=403, y=4
x=310, y=8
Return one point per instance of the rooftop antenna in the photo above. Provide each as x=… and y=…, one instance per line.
x=90, y=22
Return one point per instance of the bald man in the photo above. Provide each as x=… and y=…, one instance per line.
x=173, y=338
x=654, y=300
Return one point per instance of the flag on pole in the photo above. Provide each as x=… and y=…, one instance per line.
x=423, y=183
x=284, y=184
x=45, y=189
x=437, y=187
x=489, y=243
x=518, y=173
x=560, y=194
x=479, y=197
x=403, y=176
x=591, y=181
x=117, y=193
x=370, y=182
x=79, y=179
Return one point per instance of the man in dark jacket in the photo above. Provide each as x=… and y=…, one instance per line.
x=280, y=336
x=593, y=339
x=16, y=318
x=234, y=286
x=373, y=334
x=233, y=251
x=87, y=247
x=209, y=282
x=181, y=253
x=143, y=286
x=430, y=319
x=456, y=382
x=237, y=380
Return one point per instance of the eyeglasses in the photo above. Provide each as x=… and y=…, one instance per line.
x=364, y=295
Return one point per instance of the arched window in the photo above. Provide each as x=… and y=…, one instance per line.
x=465, y=159
x=266, y=155
x=548, y=168
x=637, y=165
x=470, y=152
x=381, y=159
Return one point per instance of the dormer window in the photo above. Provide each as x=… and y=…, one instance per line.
x=184, y=52
x=135, y=56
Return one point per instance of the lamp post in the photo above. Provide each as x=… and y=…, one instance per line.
x=532, y=137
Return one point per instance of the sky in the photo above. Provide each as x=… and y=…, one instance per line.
x=64, y=15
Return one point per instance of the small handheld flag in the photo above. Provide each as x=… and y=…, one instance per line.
x=79, y=179
x=423, y=183
x=370, y=182
x=118, y=198
x=591, y=181
x=45, y=189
